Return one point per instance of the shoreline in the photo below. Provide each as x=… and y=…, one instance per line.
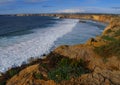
x=54, y=15
x=58, y=50
x=43, y=55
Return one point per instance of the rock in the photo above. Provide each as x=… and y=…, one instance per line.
x=113, y=63
x=113, y=26
x=78, y=52
x=26, y=76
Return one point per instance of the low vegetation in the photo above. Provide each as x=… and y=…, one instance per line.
x=38, y=75
x=108, y=38
x=67, y=68
x=117, y=33
x=108, y=31
x=10, y=73
x=111, y=49
x=3, y=83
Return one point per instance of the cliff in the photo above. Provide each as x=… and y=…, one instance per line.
x=97, y=17
x=97, y=62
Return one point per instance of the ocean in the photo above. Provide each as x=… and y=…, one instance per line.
x=23, y=37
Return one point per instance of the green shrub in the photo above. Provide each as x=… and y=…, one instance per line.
x=108, y=31
x=117, y=33
x=111, y=49
x=3, y=83
x=44, y=65
x=59, y=74
x=12, y=72
x=66, y=69
x=38, y=75
x=114, y=48
x=64, y=62
x=108, y=38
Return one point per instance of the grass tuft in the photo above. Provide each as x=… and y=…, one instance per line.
x=108, y=31
x=38, y=75
x=12, y=72
x=66, y=69
x=108, y=38
x=111, y=49
x=117, y=33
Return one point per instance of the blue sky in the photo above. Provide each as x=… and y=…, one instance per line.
x=53, y=6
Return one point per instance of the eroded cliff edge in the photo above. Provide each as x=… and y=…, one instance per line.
x=97, y=62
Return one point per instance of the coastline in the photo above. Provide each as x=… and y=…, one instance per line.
x=81, y=50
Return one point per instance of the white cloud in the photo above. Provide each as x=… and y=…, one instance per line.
x=71, y=11
x=90, y=10
x=102, y=10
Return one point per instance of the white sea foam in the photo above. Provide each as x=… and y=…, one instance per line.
x=15, y=50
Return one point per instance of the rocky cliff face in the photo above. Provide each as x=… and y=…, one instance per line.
x=97, y=62
x=97, y=17
x=113, y=26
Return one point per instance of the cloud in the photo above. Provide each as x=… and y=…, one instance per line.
x=71, y=11
x=103, y=10
x=90, y=10
x=116, y=7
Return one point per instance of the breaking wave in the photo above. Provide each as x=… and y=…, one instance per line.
x=18, y=49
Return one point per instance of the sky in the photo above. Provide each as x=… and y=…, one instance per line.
x=59, y=6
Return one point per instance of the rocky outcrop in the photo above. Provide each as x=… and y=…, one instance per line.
x=27, y=77
x=97, y=17
x=106, y=18
x=84, y=52
x=113, y=26
x=102, y=72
